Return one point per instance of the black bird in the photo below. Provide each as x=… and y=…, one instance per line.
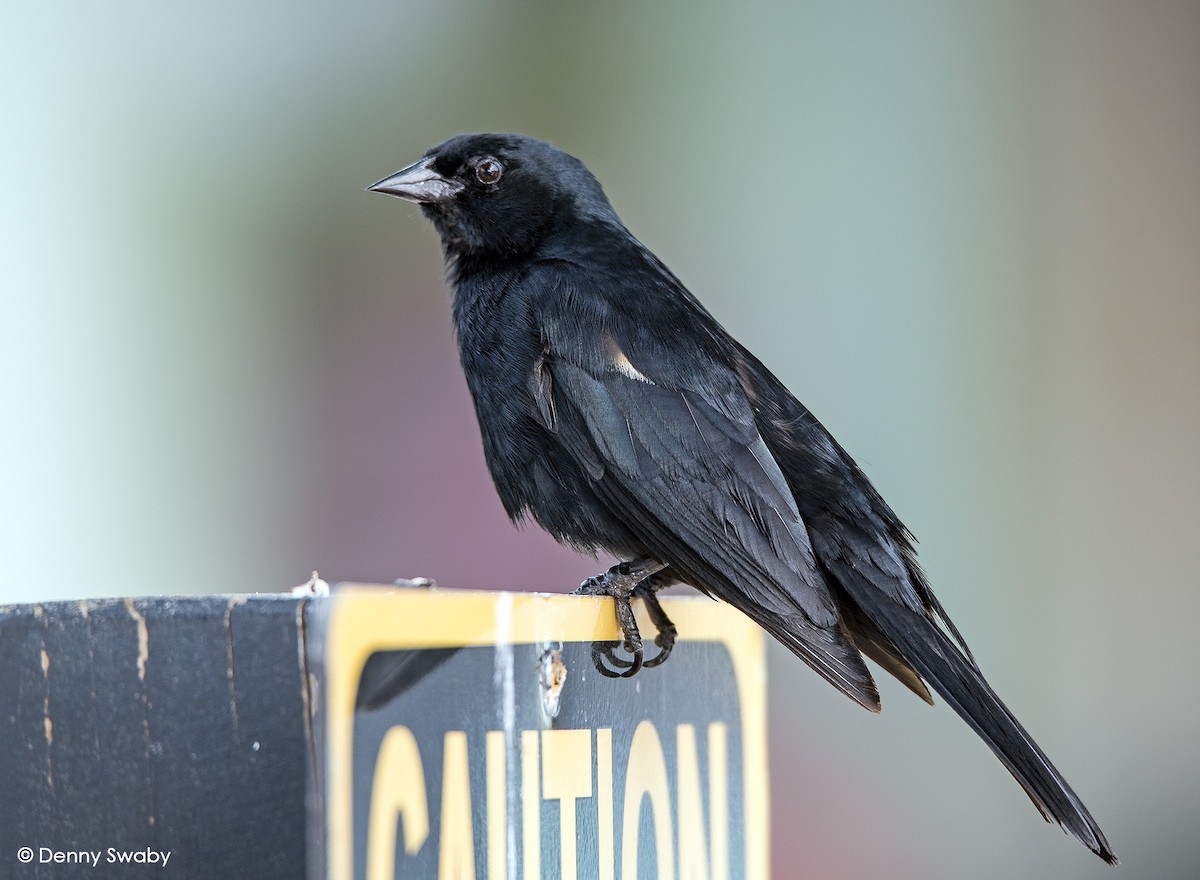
x=621, y=416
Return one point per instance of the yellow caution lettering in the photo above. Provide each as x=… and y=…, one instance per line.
x=693, y=852
x=531, y=806
x=456, y=853
x=604, y=802
x=397, y=794
x=566, y=777
x=497, y=806
x=557, y=765
x=697, y=861
x=646, y=777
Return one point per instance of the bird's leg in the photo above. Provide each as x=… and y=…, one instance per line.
x=620, y=582
x=665, y=639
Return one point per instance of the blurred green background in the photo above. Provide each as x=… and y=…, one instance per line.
x=966, y=234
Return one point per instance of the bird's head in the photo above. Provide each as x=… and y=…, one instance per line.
x=498, y=194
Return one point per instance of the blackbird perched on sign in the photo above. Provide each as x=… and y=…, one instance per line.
x=622, y=417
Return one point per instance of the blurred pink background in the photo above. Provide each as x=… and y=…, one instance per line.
x=967, y=235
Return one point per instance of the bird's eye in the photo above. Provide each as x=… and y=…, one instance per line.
x=488, y=170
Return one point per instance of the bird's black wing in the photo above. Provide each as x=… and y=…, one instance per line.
x=669, y=442
x=889, y=609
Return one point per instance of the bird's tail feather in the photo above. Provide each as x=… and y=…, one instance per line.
x=868, y=638
x=830, y=652
x=935, y=658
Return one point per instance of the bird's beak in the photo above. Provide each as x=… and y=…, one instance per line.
x=418, y=183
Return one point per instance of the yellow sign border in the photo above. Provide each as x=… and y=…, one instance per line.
x=365, y=619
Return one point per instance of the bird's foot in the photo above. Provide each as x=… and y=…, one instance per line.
x=665, y=640
x=623, y=582
x=620, y=580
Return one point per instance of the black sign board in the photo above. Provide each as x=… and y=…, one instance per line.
x=468, y=735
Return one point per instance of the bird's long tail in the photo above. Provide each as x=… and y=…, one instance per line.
x=940, y=662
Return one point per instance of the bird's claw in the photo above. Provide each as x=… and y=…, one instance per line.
x=666, y=644
x=608, y=664
x=623, y=582
x=632, y=642
x=665, y=640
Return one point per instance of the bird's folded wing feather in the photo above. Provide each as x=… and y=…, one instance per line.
x=683, y=462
